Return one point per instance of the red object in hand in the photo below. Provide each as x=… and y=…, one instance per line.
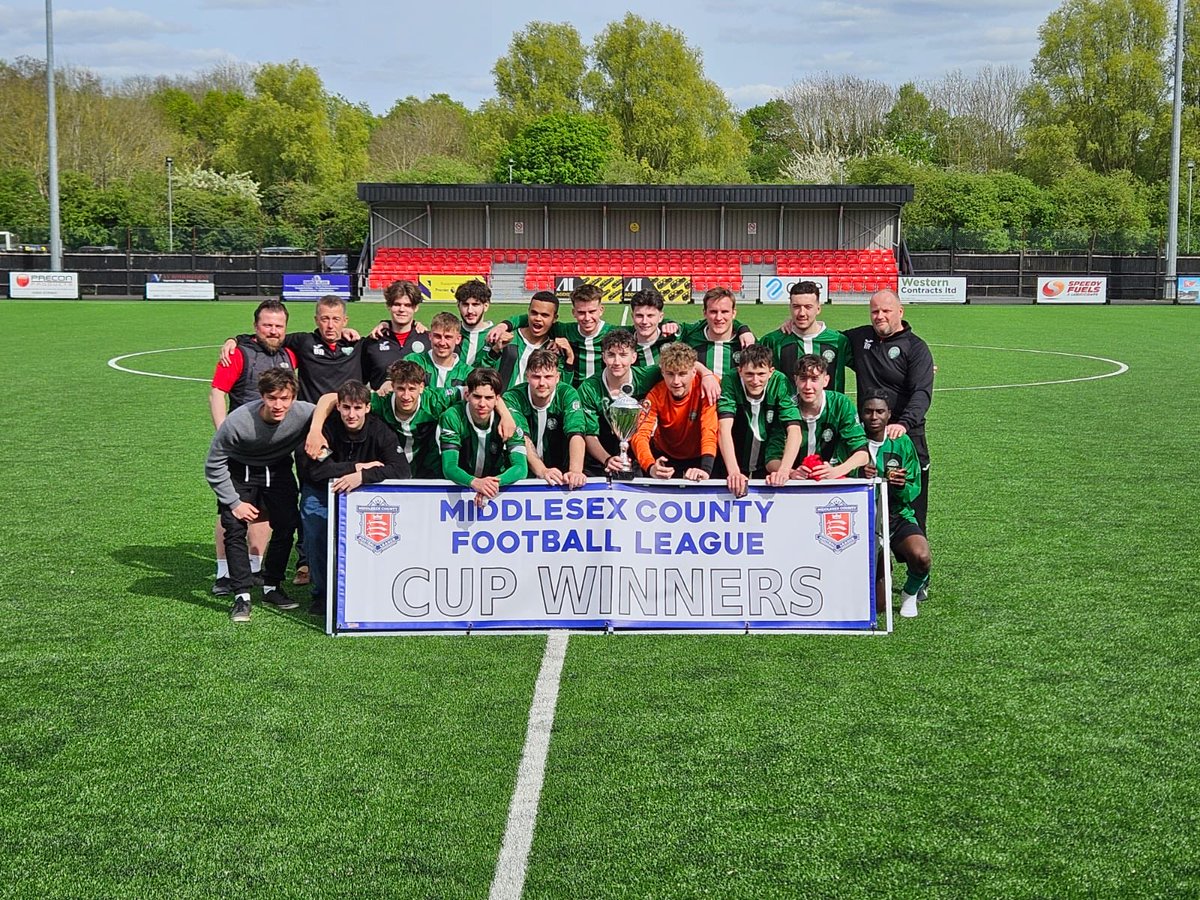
x=811, y=461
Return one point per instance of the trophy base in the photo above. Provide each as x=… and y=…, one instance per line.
x=621, y=475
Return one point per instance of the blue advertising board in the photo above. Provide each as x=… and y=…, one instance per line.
x=314, y=287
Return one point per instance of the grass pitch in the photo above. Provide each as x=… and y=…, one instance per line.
x=1031, y=733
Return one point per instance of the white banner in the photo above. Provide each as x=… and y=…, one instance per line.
x=774, y=288
x=420, y=556
x=44, y=285
x=1069, y=289
x=932, y=289
x=181, y=286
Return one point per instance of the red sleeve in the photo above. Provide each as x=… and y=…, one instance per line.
x=225, y=377
x=292, y=356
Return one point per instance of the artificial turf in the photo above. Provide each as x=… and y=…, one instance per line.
x=1031, y=733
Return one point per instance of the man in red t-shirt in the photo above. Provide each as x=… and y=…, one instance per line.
x=678, y=436
x=236, y=384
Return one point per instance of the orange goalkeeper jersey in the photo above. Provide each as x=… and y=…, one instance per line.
x=682, y=429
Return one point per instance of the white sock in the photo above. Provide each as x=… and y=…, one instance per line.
x=245, y=597
x=267, y=588
x=255, y=564
x=222, y=568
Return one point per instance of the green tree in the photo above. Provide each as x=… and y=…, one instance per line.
x=415, y=128
x=883, y=168
x=1111, y=206
x=1101, y=69
x=1022, y=204
x=558, y=149
x=651, y=84
x=435, y=169
x=285, y=131
x=23, y=208
x=330, y=217
x=914, y=126
x=1048, y=153
x=772, y=137
x=542, y=73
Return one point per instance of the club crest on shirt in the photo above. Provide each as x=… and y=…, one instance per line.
x=893, y=352
x=692, y=416
x=828, y=356
x=836, y=525
x=770, y=416
x=377, y=525
x=418, y=346
x=827, y=434
x=551, y=423
x=346, y=351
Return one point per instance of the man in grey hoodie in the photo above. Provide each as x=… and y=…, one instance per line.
x=249, y=468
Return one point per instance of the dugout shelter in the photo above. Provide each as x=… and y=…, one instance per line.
x=681, y=239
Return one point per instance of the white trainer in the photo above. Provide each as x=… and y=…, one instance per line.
x=908, y=605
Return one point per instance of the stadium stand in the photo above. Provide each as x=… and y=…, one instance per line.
x=849, y=271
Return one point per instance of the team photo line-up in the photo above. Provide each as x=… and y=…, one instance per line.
x=485, y=405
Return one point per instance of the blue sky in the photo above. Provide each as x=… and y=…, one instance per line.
x=374, y=51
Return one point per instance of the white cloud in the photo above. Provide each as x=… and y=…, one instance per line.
x=92, y=25
x=257, y=4
x=746, y=95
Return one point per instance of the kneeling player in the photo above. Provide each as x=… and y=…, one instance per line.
x=553, y=422
x=471, y=437
x=678, y=436
x=249, y=468
x=757, y=409
x=895, y=460
x=362, y=450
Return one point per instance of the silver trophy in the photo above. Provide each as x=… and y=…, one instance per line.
x=624, y=415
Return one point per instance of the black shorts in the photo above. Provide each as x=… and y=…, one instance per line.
x=899, y=529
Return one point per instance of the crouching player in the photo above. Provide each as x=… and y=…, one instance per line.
x=678, y=436
x=553, y=422
x=474, y=454
x=895, y=460
x=249, y=468
x=829, y=428
x=362, y=450
x=756, y=410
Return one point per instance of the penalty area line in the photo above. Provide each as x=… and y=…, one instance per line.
x=115, y=363
x=508, y=882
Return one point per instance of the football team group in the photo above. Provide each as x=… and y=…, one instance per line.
x=485, y=405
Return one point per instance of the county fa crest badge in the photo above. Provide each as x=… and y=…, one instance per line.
x=837, y=525
x=377, y=525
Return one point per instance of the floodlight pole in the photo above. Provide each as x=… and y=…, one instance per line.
x=510, y=169
x=1172, y=282
x=52, y=146
x=170, y=210
x=1191, y=168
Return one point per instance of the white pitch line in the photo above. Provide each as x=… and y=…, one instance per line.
x=115, y=362
x=1121, y=368
x=508, y=882
x=624, y=316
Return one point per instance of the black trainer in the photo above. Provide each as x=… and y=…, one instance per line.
x=278, y=598
x=241, y=610
x=222, y=587
x=317, y=607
